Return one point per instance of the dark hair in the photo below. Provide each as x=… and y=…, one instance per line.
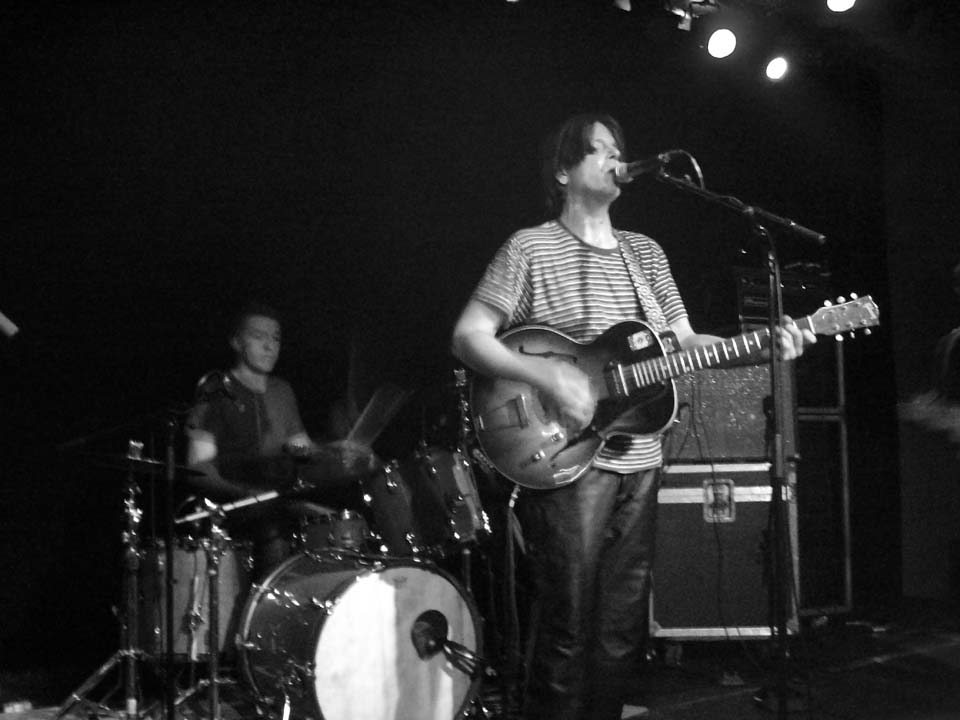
x=254, y=307
x=566, y=146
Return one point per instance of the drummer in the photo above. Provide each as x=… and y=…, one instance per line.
x=245, y=432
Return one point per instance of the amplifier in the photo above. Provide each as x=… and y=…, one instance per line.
x=723, y=416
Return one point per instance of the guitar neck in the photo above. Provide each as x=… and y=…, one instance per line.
x=634, y=376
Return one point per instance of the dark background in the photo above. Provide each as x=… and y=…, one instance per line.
x=356, y=164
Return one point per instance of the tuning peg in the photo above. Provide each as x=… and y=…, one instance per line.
x=867, y=331
x=853, y=334
x=853, y=296
x=827, y=303
x=841, y=299
x=838, y=337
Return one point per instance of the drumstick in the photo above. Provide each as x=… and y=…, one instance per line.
x=229, y=507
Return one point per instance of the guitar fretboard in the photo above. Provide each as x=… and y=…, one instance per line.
x=630, y=377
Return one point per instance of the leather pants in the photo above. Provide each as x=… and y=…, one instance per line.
x=590, y=545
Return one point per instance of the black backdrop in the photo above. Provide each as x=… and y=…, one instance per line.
x=356, y=165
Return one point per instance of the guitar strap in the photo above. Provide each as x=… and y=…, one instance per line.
x=648, y=301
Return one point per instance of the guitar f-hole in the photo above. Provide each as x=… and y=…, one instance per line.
x=550, y=355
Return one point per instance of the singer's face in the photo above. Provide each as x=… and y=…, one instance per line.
x=594, y=176
x=258, y=344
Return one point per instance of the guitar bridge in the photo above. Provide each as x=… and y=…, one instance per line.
x=512, y=414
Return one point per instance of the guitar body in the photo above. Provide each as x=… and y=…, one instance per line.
x=522, y=435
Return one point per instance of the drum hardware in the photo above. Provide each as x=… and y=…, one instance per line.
x=129, y=655
x=466, y=439
x=199, y=686
x=214, y=547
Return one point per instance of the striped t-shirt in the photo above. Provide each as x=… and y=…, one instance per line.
x=546, y=276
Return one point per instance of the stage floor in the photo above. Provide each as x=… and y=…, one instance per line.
x=904, y=665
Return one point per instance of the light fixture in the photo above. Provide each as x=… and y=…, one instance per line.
x=687, y=10
x=840, y=5
x=777, y=68
x=722, y=43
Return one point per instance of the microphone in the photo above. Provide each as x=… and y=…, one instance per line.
x=429, y=633
x=626, y=172
x=429, y=638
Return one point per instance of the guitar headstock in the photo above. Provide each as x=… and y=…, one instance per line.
x=858, y=313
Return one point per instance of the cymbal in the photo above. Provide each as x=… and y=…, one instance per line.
x=337, y=462
x=334, y=461
x=343, y=458
x=139, y=465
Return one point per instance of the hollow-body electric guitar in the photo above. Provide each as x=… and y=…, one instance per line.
x=631, y=370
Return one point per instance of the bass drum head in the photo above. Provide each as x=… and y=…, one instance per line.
x=352, y=622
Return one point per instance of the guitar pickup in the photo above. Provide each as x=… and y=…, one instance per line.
x=512, y=414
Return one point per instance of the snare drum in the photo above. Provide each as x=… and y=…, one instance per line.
x=191, y=597
x=343, y=640
x=447, y=508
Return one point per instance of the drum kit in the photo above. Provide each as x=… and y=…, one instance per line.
x=362, y=621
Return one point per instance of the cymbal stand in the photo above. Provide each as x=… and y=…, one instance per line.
x=128, y=656
x=465, y=435
x=214, y=547
x=463, y=407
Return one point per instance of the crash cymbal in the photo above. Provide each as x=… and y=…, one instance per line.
x=138, y=465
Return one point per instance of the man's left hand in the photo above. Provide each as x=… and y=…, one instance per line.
x=792, y=339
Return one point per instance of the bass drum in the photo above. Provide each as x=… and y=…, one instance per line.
x=343, y=640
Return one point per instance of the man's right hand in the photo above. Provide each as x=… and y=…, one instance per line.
x=569, y=393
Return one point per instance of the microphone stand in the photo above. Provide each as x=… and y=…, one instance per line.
x=779, y=541
x=170, y=682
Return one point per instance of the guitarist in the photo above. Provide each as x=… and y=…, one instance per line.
x=590, y=543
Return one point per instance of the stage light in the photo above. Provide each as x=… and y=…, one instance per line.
x=777, y=68
x=840, y=5
x=722, y=43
